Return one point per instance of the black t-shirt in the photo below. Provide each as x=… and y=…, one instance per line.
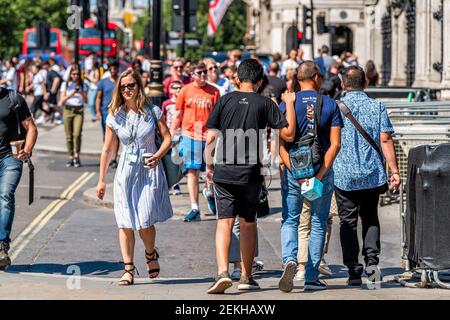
x=241, y=118
x=52, y=75
x=331, y=85
x=8, y=120
x=279, y=87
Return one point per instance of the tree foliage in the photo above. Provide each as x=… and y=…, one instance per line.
x=229, y=35
x=230, y=32
x=18, y=15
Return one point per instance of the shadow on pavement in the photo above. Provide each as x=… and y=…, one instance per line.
x=92, y=268
x=182, y=281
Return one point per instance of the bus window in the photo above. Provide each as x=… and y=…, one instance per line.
x=32, y=41
x=90, y=33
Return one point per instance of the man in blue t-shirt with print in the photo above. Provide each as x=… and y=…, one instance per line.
x=329, y=138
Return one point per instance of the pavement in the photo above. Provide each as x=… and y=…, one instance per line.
x=76, y=254
x=52, y=138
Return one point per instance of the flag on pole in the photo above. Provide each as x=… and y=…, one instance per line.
x=217, y=9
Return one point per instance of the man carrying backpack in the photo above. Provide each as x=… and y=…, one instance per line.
x=18, y=134
x=311, y=155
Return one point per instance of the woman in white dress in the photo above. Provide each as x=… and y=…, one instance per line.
x=141, y=196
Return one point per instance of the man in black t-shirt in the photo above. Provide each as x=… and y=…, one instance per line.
x=11, y=166
x=53, y=84
x=235, y=129
x=279, y=85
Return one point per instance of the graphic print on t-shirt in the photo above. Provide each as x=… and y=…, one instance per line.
x=200, y=101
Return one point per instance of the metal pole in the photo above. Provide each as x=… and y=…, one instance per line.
x=295, y=39
x=77, y=49
x=102, y=43
x=156, y=54
x=148, y=30
x=312, y=28
x=156, y=85
x=77, y=36
x=183, y=26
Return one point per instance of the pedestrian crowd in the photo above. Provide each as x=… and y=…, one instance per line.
x=223, y=123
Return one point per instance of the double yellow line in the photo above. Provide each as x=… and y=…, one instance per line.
x=24, y=238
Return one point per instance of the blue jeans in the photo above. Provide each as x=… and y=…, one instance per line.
x=104, y=115
x=292, y=207
x=92, y=94
x=10, y=173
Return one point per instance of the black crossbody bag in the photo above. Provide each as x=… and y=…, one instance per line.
x=348, y=113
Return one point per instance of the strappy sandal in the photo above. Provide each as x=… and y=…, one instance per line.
x=152, y=257
x=126, y=282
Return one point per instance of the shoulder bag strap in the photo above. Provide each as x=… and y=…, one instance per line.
x=14, y=105
x=347, y=112
x=154, y=119
x=318, y=113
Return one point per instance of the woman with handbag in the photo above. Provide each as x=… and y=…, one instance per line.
x=141, y=194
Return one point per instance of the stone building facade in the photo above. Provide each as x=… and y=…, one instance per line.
x=405, y=38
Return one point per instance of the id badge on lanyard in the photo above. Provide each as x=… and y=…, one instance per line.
x=131, y=155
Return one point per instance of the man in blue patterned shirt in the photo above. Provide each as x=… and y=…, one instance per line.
x=360, y=175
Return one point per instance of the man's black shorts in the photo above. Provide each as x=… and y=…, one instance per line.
x=237, y=200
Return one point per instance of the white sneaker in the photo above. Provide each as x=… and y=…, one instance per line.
x=236, y=275
x=40, y=120
x=324, y=269
x=300, y=275
x=257, y=266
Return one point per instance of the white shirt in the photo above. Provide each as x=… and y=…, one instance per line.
x=39, y=80
x=287, y=65
x=146, y=65
x=223, y=84
x=11, y=76
x=77, y=100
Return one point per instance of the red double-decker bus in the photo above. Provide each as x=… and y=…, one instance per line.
x=89, y=39
x=59, y=44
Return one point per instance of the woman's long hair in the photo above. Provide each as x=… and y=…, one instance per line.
x=75, y=68
x=372, y=74
x=117, y=99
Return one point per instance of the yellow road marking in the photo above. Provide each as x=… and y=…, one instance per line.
x=44, y=217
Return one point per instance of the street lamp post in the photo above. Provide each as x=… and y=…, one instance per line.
x=156, y=86
x=76, y=34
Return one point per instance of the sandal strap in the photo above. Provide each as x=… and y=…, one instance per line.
x=154, y=256
x=130, y=271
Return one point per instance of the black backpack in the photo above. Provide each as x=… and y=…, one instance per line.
x=21, y=132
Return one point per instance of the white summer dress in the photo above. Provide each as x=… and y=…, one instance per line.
x=141, y=195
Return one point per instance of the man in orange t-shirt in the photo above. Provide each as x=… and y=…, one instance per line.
x=194, y=105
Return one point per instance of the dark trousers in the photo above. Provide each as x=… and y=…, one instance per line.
x=351, y=205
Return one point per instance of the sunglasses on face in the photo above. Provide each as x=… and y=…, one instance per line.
x=178, y=67
x=212, y=68
x=129, y=86
x=200, y=72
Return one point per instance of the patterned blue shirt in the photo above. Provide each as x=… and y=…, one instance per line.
x=358, y=166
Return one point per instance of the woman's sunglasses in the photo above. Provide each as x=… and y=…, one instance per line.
x=129, y=86
x=213, y=68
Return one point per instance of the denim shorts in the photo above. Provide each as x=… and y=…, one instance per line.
x=192, y=151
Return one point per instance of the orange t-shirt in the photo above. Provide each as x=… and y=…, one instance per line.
x=196, y=103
